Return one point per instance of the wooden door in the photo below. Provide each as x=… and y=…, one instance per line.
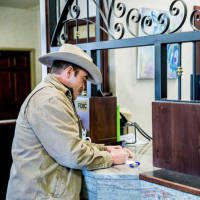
x=15, y=84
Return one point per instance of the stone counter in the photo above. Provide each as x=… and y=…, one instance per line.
x=121, y=182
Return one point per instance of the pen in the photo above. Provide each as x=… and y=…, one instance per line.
x=134, y=164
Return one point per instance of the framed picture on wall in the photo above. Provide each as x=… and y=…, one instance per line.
x=146, y=55
x=173, y=60
x=146, y=61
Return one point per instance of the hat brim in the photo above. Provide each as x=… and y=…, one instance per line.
x=94, y=73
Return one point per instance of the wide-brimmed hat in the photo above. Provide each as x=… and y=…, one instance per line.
x=75, y=55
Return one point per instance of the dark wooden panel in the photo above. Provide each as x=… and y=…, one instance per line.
x=15, y=82
x=5, y=91
x=21, y=60
x=103, y=119
x=6, y=137
x=5, y=61
x=21, y=80
x=14, y=60
x=176, y=136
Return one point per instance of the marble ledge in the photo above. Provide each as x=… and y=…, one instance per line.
x=122, y=182
x=142, y=154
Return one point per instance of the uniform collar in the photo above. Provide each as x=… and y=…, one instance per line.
x=51, y=78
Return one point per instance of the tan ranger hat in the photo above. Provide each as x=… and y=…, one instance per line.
x=74, y=54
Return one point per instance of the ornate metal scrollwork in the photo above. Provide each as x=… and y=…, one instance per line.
x=162, y=21
x=74, y=9
x=117, y=13
x=120, y=10
x=74, y=13
x=134, y=16
x=175, y=11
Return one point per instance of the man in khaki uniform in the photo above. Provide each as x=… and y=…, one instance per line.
x=47, y=150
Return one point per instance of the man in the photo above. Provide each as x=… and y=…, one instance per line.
x=47, y=150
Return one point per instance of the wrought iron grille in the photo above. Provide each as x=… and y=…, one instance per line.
x=107, y=18
x=110, y=15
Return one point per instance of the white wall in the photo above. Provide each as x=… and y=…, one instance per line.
x=135, y=96
x=20, y=28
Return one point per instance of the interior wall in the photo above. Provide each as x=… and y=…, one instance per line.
x=20, y=28
x=136, y=95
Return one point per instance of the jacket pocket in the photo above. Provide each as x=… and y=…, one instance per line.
x=54, y=184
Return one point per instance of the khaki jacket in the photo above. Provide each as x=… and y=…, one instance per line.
x=47, y=151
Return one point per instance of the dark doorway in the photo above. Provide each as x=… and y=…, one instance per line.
x=15, y=84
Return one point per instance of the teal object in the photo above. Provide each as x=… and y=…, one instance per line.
x=118, y=124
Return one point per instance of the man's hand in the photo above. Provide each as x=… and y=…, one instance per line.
x=110, y=148
x=130, y=153
x=119, y=156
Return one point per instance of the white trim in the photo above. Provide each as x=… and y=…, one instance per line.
x=7, y=121
x=43, y=34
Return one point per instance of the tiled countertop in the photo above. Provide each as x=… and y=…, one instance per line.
x=121, y=182
x=142, y=154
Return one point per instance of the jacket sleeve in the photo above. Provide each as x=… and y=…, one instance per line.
x=100, y=147
x=54, y=124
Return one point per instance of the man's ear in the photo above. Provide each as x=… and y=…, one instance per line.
x=69, y=71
